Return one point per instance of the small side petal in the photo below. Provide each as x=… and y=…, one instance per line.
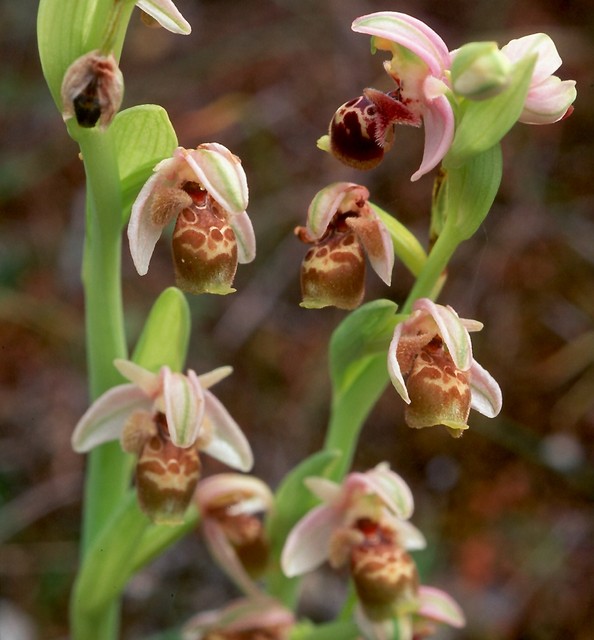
x=394, y=367
x=438, y=121
x=211, y=378
x=227, y=442
x=221, y=174
x=486, y=393
x=166, y=14
x=149, y=382
x=308, y=543
x=326, y=203
x=452, y=331
x=439, y=606
x=326, y=490
x=246, y=239
x=213, y=489
x=184, y=406
x=104, y=419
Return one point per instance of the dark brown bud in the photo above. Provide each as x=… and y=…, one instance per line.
x=92, y=90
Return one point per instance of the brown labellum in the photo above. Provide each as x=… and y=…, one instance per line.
x=333, y=273
x=438, y=390
x=166, y=477
x=204, y=250
x=362, y=129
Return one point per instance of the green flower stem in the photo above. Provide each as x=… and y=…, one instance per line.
x=108, y=471
x=431, y=274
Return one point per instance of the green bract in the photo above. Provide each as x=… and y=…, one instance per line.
x=480, y=71
x=144, y=136
x=482, y=124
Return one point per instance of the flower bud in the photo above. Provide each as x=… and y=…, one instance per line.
x=92, y=90
x=480, y=70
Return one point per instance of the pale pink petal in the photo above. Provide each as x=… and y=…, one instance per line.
x=548, y=101
x=326, y=490
x=244, y=234
x=227, y=442
x=308, y=543
x=326, y=204
x=548, y=60
x=258, y=496
x=166, y=14
x=439, y=606
x=439, y=124
x=105, y=418
x=409, y=536
x=184, y=406
x=221, y=174
x=226, y=557
x=377, y=242
x=394, y=367
x=410, y=33
x=486, y=394
x=451, y=330
x=143, y=233
x=211, y=378
x=392, y=489
x=150, y=383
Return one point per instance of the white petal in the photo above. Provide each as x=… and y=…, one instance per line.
x=326, y=203
x=548, y=60
x=149, y=382
x=184, y=406
x=308, y=543
x=166, y=14
x=104, y=419
x=439, y=606
x=393, y=366
x=548, y=101
x=486, y=393
x=392, y=489
x=228, y=444
x=246, y=239
x=258, y=496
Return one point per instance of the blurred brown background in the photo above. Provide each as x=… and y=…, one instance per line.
x=508, y=508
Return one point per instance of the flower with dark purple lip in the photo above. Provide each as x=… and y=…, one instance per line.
x=419, y=65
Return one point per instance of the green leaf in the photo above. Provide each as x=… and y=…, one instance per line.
x=292, y=501
x=483, y=123
x=406, y=245
x=105, y=569
x=166, y=334
x=365, y=332
x=143, y=136
x=469, y=192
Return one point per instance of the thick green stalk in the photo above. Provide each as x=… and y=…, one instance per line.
x=108, y=470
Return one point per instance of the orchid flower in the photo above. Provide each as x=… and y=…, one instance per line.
x=432, y=606
x=419, y=65
x=341, y=225
x=166, y=14
x=549, y=98
x=228, y=504
x=253, y=617
x=205, y=191
x=165, y=418
x=363, y=524
x=431, y=366
x=379, y=495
